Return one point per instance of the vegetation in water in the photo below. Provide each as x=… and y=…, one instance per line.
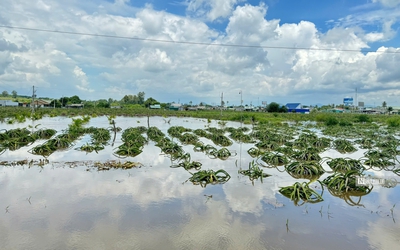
x=254, y=172
x=301, y=192
x=205, y=177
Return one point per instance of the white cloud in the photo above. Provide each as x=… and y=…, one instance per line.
x=387, y=3
x=82, y=78
x=193, y=72
x=212, y=9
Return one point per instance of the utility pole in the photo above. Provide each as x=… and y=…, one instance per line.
x=222, y=101
x=33, y=99
x=356, y=101
x=241, y=108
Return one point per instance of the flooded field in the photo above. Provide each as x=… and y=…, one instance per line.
x=77, y=199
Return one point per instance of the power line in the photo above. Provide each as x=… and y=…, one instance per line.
x=194, y=43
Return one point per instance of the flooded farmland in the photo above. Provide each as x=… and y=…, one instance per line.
x=146, y=197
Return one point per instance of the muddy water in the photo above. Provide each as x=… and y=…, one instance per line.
x=73, y=206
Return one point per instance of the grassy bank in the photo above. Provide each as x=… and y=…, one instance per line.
x=19, y=114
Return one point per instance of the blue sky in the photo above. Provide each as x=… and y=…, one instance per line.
x=98, y=67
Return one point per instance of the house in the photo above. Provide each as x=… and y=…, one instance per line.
x=41, y=103
x=8, y=103
x=155, y=106
x=251, y=108
x=75, y=106
x=175, y=106
x=24, y=104
x=395, y=110
x=335, y=110
x=297, y=108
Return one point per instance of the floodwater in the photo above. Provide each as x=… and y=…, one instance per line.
x=68, y=204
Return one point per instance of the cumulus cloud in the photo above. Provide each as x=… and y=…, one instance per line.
x=82, y=78
x=211, y=9
x=196, y=71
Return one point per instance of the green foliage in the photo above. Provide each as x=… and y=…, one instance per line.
x=134, y=99
x=321, y=117
x=55, y=103
x=102, y=103
x=74, y=100
x=204, y=177
x=363, y=118
x=345, y=164
x=283, y=109
x=344, y=146
x=331, y=121
x=301, y=191
x=150, y=101
x=346, y=182
x=88, y=148
x=64, y=101
x=254, y=172
x=127, y=149
x=274, y=159
x=273, y=107
x=345, y=123
x=222, y=154
x=304, y=169
x=393, y=122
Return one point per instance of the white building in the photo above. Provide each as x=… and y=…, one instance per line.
x=7, y=103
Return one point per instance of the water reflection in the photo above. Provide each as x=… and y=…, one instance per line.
x=152, y=207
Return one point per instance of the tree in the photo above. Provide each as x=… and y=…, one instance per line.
x=102, y=103
x=273, y=107
x=283, y=109
x=14, y=94
x=89, y=104
x=133, y=99
x=64, y=101
x=126, y=99
x=150, y=101
x=4, y=93
x=384, y=104
x=75, y=100
x=140, y=98
x=390, y=109
x=57, y=103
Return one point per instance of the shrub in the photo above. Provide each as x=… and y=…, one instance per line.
x=345, y=123
x=393, y=122
x=331, y=121
x=321, y=117
x=363, y=118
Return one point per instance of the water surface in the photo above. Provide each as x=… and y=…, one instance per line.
x=69, y=204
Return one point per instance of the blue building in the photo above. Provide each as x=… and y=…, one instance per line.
x=296, y=108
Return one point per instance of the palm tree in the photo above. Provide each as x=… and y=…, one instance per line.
x=384, y=106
